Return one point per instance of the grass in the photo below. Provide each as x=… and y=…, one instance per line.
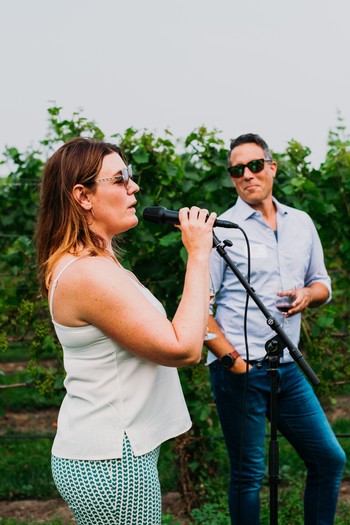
x=28, y=471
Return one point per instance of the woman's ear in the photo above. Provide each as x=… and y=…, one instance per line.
x=81, y=195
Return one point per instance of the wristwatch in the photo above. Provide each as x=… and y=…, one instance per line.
x=228, y=360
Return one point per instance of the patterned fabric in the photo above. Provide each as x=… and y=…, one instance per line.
x=122, y=491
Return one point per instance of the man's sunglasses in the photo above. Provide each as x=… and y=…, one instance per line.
x=255, y=166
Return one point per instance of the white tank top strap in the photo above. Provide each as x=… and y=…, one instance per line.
x=54, y=284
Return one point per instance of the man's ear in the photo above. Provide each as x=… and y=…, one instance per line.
x=82, y=195
x=273, y=166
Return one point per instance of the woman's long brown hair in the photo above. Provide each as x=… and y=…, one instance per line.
x=62, y=224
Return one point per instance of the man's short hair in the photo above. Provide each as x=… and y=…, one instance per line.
x=249, y=138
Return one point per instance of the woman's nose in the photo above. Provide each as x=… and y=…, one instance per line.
x=132, y=186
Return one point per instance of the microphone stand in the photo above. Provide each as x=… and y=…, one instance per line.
x=274, y=348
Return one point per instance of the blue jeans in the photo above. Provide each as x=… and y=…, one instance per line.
x=300, y=419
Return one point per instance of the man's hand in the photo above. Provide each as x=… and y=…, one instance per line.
x=309, y=296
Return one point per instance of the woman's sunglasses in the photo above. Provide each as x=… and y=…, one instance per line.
x=255, y=166
x=126, y=174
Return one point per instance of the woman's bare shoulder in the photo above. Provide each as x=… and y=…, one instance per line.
x=88, y=273
x=87, y=284
x=85, y=265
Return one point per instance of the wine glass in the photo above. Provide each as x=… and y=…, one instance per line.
x=209, y=335
x=284, y=303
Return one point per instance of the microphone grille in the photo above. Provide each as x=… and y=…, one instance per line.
x=153, y=213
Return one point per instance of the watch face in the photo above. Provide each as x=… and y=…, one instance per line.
x=227, y=361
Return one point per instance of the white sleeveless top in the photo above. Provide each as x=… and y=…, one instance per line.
x=111, y=391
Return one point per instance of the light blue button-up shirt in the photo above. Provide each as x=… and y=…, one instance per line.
x=291, y=258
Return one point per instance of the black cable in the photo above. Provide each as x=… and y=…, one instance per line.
x=244, y=413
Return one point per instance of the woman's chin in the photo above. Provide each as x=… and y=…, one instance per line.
x=131, y=224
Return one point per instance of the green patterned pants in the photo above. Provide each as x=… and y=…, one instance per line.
x=122, y=491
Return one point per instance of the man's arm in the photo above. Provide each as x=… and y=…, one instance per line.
x=317, y=294
x=220, y=346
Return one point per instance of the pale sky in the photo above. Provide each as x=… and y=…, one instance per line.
x=275, y=67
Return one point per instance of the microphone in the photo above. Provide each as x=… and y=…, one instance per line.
x=160, y=215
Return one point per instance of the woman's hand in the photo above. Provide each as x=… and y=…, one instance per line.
x=196, y=226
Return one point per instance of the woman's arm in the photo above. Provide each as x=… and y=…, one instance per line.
x=95, y=291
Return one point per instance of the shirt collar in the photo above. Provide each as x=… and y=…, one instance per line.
x=246, y=211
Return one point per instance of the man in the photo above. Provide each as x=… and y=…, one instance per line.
x=286, y=258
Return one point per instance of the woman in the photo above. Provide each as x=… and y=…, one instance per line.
x=120, y=351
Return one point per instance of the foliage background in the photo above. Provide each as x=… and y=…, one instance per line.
x=175, y=173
